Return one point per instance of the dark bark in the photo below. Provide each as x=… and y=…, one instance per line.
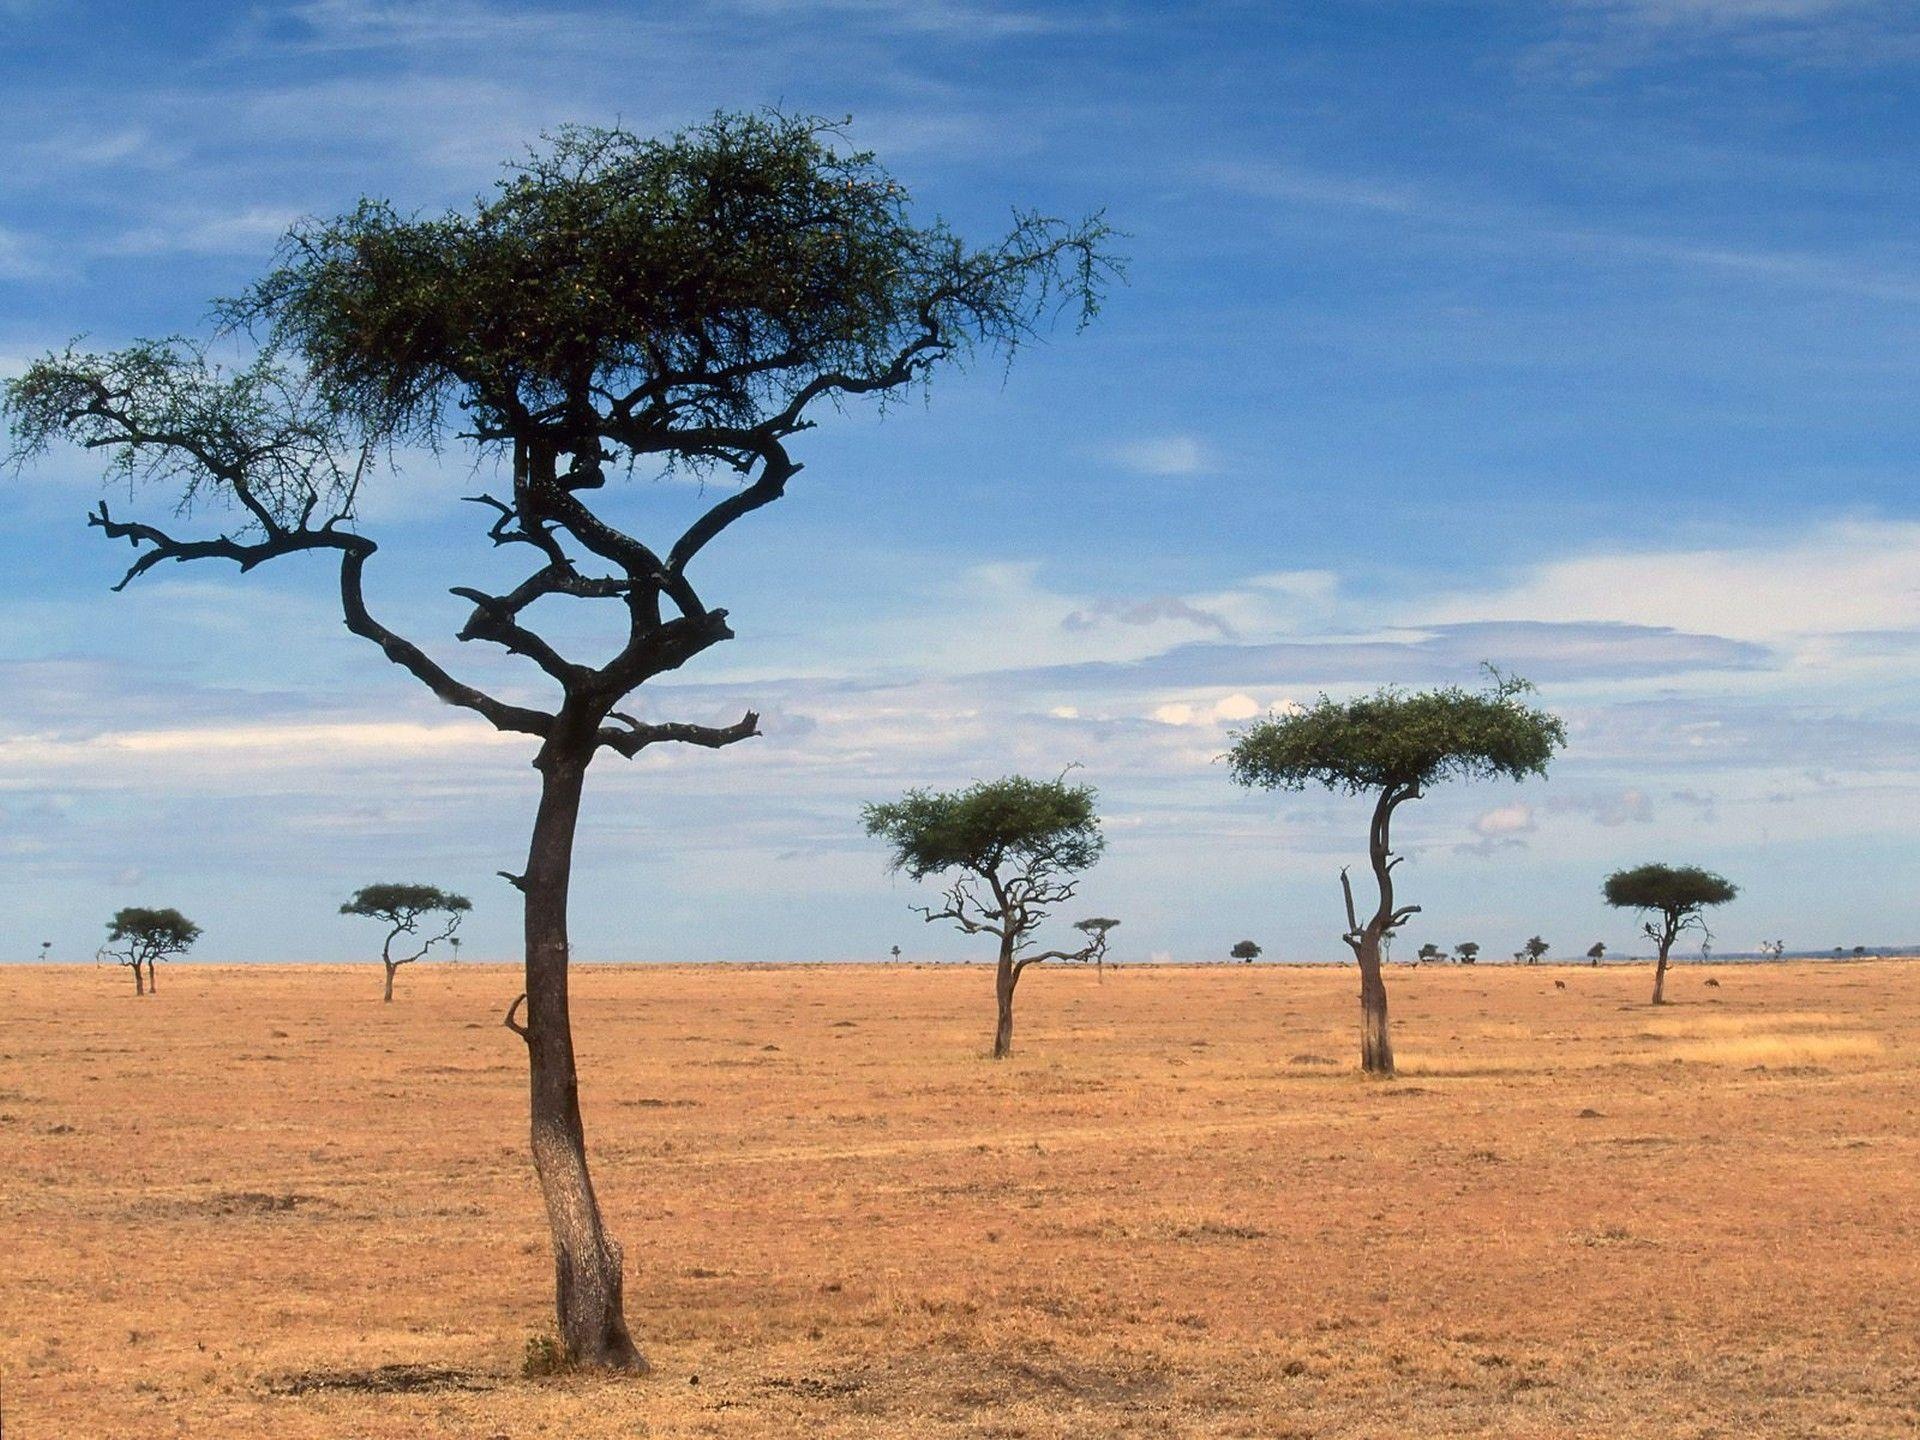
x=139, y=985
x=388, y=994
x=1376, y=1040
x=153, y=987
x=587, y=1261
x=1660, y=974
x=1006, y=977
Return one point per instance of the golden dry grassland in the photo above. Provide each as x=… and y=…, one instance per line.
x=264, y=1204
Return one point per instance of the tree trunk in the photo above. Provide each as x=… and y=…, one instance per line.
x=388, y=996
x=1660, y=978
x=139, y=985
x=586, y=1260
x=1004, y=980
x=153, y=987
x=1376, y=1043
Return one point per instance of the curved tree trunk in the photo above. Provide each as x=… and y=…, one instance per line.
x=1005, y=978
x=1376, y=1041
x=153, y=987
x=1660, y=977
x=586, y=1260
x=388, y=995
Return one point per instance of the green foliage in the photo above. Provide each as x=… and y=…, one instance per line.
x=398, y=903
x=152, y=932
x=717, y=272
x=1431, y=951
x=1674, y=890
x=1096, y=925
x=1535, y=948
x=1245, y=950
x=1467, y=950
x=1038, y=826
x=161, y=411
x=1398, y=740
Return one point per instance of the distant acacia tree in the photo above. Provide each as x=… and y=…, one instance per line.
x=1015, y=848
x=1534, y=950
x=1395, y=746
x=1672, y=899
x=688, y=305
x=1596, y=951
x=1095, y=928
x=46, y=948
x=402, y=908
x=1467, y=951
x=1430, y=952
x=1245, y=950
x=139, y=935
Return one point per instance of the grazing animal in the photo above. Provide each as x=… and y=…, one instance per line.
x=1559, y=984
x=1713, y=984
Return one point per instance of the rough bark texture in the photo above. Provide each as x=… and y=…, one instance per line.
x=387, y=995
x=1006, y=976
x=1660, y=977
x=139, y=984
x=153, y=987
x=1376, y=1040
x=586, y=1260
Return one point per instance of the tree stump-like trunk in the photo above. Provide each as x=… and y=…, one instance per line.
x=1376, y=1041
x=139, y=984
x=587, y=1262
x=388, y=994
x=1660, y=978
x=1005, y=978
x=152, y=987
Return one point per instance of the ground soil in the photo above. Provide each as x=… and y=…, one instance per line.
x=263, y=1203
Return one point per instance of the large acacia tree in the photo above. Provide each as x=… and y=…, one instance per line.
x=1673, y=899
x=1395, y=746
x=617, y=303
x=1015, y=849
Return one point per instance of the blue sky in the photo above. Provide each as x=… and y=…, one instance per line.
x=1576, y=336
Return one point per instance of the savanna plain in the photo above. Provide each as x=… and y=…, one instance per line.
x=263, y=1203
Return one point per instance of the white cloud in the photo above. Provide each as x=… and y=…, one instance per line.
x=1505, y=820
x=1167, y=455
x=1833, y=579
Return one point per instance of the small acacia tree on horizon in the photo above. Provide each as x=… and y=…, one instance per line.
x=402, y=907
x=1673, y=899
x=1467, y=951
x=1394, y=745
x=1245, y=951
x=1016, y=848
x=1096, y=928
x=1535, y=950
x=139, y=935
x=687, y=305
x=1597, y=951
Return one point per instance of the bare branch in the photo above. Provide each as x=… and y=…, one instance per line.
x=637, y=736
x=510, y=1022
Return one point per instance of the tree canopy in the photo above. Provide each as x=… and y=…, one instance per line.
x=1036, y=825
x=152, y=931
x=1245, y=950
x=1674, y=890
x=1399, y=740
x=399, y=903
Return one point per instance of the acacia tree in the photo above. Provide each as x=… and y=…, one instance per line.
x=1672, y=899
x=1245, y=951
x=1396, y=746
x=1095, y=928
x=1016, y=848
x=1430, y=952
x=1467, y=951
x=139, y=935
x=402, y=907
x=689, y=304
x=1535, y=950
x=1598, y=949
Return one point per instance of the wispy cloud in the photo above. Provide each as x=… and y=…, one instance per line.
x=1168, y=455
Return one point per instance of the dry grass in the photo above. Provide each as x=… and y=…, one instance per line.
x=264, y=1204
